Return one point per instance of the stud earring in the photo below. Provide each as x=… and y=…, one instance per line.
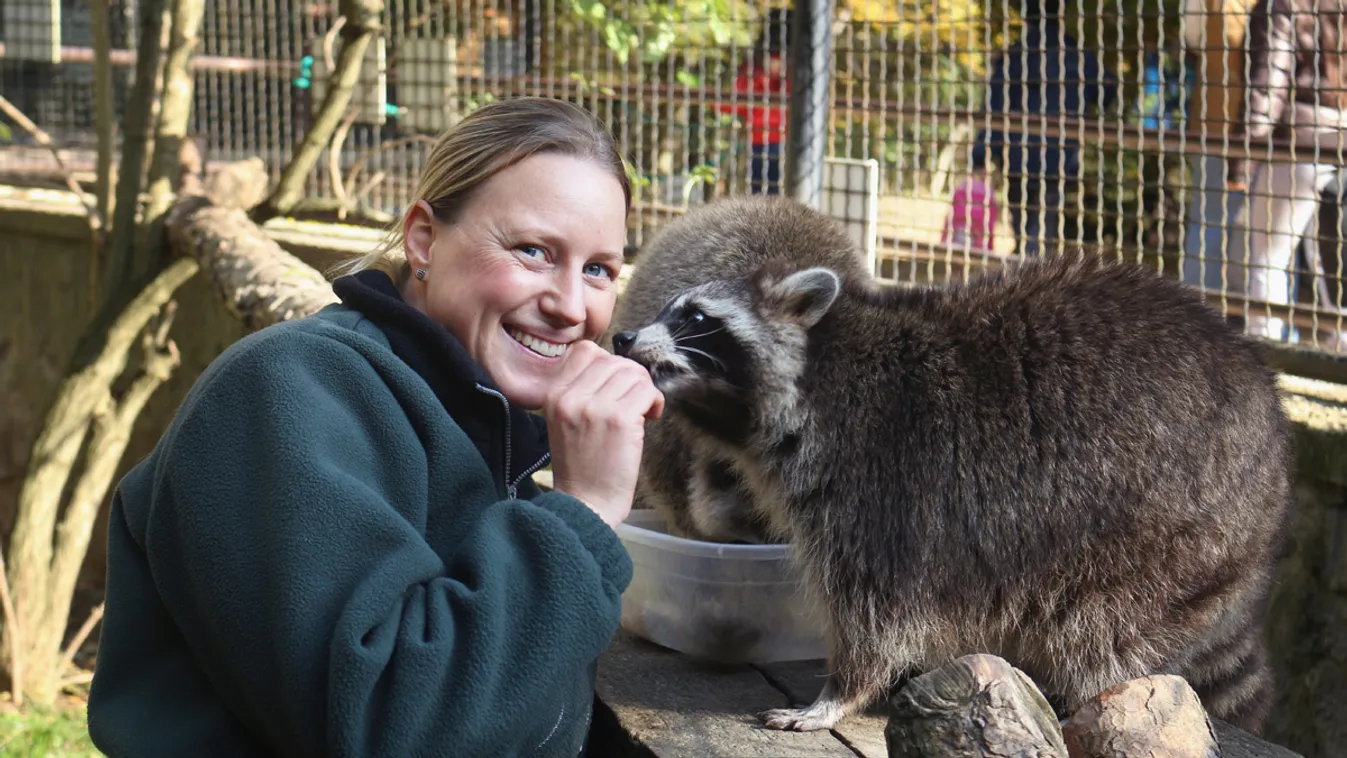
x=420, y=273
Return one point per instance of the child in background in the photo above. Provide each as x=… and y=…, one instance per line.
x=971, y=220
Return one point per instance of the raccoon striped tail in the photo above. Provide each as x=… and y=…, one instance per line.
x=1233, y=679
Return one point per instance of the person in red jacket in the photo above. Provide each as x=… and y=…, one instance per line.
x=761, y=90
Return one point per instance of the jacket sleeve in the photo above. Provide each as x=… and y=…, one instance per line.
x=287, y=537
x=1272, y=62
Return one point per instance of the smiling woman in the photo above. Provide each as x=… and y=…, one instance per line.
x=336, y=548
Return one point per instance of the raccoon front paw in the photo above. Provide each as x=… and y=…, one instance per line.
x=799, y=719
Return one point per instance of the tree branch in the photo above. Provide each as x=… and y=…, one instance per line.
x=44, y=139
x=260, y=283
x=100, y=360
x=334, y=163
x=111, y=433
x=105, y=118
x=141, y=117
x=362, y=26
x=13, y=633
x=174, y=112
x=87, y=628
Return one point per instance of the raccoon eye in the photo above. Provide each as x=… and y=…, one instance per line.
x=694, y=317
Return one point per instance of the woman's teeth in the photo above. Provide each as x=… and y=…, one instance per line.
x=541, y=347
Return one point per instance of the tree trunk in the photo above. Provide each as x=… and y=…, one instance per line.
x=44, y=558
x=85, y=393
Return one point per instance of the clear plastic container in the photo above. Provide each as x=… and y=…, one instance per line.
x=715, y=602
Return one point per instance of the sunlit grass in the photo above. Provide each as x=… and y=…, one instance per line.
x=45, y=732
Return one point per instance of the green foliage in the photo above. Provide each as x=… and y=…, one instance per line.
x=45, y=733
x=653, y=29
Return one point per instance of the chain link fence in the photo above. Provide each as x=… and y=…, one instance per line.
x=1201, y=137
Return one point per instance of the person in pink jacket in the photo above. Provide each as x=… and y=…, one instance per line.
x=971, y=221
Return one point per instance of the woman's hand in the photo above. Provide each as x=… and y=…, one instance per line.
x=596, y=417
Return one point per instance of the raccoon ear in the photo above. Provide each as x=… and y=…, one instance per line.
x=806, y=295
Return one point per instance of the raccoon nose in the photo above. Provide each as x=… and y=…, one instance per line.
x=622, y=342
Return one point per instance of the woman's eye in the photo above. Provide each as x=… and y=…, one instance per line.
x=598, y=269
x=532, y=251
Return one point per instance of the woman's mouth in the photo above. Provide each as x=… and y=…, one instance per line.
x=540, y=346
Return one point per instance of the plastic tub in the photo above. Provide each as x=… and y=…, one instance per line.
x=715, y=602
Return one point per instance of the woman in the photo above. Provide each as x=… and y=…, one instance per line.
x=336, y=548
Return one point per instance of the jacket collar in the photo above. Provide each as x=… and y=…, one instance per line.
x=469, y=395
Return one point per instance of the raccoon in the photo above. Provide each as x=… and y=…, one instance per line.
x=1075, y=465
x=699, y=493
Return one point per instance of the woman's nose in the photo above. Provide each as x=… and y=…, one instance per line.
x=566, y=300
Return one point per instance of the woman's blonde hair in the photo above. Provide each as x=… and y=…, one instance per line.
x=486, y=142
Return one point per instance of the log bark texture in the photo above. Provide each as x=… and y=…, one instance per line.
x=260, y=283
x=976, y=706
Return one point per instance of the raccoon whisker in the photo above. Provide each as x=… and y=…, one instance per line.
x=707, y=355
x=717, y=330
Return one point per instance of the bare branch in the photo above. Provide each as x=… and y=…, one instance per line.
x=369, y=185
x=87, y=628
x=83, y=677
x=359, y=31
x=174, y=113
x=44, y=139
x=13, y=632
x=363, y=159
x=334, y=163
x=142, y=113
x=111, y=434
x=329, y=42
x=105, y=118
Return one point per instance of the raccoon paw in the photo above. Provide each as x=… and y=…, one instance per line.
x=808, y=719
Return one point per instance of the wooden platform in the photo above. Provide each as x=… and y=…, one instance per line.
x=657, y=702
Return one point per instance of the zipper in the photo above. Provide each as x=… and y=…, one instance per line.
x=509, y=488
x=512, y=488
x=529, y=471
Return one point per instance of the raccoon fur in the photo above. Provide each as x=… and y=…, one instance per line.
x=698, y=492
x=1072, y=464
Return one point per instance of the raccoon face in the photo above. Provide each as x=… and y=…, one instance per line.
x=689, y=344
x=726, y=350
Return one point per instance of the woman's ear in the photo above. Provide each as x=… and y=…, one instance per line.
x=418, y=234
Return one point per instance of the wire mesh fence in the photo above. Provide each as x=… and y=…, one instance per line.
x=1202, y=137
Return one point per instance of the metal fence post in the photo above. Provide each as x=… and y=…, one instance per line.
x=809, y=71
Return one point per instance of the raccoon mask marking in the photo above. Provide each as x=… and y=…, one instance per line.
x=724, y=349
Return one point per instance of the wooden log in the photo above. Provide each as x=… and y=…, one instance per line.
x=260, y=283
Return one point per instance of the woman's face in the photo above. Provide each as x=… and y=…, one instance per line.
x=528, y=268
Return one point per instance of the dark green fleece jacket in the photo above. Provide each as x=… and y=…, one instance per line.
x=335, y=550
